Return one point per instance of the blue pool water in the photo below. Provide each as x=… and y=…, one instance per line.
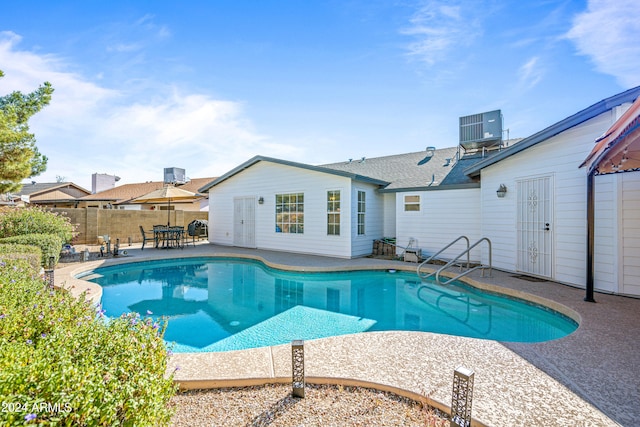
x=215, y=304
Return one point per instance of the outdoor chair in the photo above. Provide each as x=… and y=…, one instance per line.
x=191, y=231
x=146, y=239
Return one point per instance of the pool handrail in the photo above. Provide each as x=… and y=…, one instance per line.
x=469, y=270
x=432, y=257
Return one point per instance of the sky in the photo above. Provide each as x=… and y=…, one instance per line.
x=206, y=85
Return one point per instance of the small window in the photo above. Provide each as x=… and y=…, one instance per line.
x=362, y=198
x=411, y=203
x=333, y=213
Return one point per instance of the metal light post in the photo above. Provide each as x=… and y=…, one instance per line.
x=462, y=397
x=48, y=273
x=297, y=367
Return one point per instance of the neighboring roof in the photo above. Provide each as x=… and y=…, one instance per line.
x=257, y=159
x=555, y=129
x=125, y=193
x=619, y=149
x=422, y=170
x=51, y=192
x=36, y=188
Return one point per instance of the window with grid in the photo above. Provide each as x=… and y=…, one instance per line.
x=290, y=213
x=333, y=212
x=361, y=211
x=411, y=203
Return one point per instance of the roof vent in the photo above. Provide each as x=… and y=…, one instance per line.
x=479, y=131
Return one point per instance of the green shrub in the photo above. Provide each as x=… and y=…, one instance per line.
x=50, y=245
x=32, y=254
x=63, y=364
x=34, y=220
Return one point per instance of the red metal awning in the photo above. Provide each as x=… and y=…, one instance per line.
x=619, y=149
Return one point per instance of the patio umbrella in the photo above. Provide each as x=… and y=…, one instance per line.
x=168, y=194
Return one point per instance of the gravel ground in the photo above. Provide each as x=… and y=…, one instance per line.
x=323, y=405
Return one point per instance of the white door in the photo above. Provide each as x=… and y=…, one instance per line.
x=244, y=222
x=534, y=226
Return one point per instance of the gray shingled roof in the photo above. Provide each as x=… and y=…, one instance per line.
x=416, y=171
x=401, y=172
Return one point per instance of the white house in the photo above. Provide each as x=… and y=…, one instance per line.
x=538, y=227
x=275, y=204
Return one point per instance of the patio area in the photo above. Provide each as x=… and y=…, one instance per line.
x=587, y=378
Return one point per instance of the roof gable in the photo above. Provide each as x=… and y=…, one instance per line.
x=36, y=189
x=254, y=160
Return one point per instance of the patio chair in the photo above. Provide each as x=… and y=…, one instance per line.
x=191, y=231
x=146, y=239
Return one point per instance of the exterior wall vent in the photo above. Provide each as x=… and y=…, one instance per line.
x=479, y=131
x=174, y=176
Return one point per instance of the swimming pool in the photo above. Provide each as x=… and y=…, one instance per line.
x=221, y=304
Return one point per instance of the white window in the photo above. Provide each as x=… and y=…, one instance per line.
x=361, y=211
x=290, y=213
x=333, y=213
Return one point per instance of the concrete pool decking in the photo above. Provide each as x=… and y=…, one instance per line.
x=589, y=378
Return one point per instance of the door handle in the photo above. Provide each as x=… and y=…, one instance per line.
x=546, y=227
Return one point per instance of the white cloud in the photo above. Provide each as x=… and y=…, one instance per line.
x=609, y=33
x=89, y=128
x=438, y=29
x=530, y=73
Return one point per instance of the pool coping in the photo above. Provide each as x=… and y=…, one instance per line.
x=392, y=361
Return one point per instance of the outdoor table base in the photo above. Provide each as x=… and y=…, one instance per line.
x=169, y=237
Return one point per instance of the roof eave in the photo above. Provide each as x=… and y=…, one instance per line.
x=432, y=188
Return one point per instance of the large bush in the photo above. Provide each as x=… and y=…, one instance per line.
x=61, y=363
x=49, y=244
x=34, y=220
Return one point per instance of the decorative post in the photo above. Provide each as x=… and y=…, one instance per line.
x=462, y=397
x=48, y=273
x=297, y=366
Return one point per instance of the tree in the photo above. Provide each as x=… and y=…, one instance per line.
x=19, y=156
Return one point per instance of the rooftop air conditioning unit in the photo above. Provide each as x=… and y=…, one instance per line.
x=482, y=130
x=174, y=176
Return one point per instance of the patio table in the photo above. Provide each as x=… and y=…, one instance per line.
x=169, y=237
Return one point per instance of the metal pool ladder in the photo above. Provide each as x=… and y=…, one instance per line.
x=456, y=262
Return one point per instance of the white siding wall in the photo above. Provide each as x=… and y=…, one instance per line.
x=363, y=244
x=558, y=157
x=606, y=197
x=266, y=179
x=444, y=216
x=630, y=233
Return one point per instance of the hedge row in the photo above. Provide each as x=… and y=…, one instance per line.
x=34, y=220
x=32, y=254
x=50, y=245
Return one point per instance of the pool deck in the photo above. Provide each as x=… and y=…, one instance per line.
x=589, y=378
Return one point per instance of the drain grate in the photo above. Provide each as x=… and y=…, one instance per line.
x=529, y=278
